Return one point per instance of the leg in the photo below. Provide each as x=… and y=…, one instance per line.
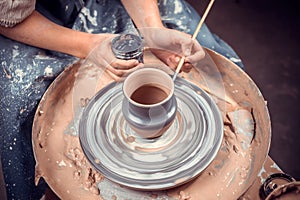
x=26, y=72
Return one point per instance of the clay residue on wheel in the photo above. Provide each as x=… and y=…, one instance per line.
x=61, y=162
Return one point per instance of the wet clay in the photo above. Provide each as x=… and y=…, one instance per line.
x=61, y=162
x=149, y=94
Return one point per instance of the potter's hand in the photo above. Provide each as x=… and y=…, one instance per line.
x=102, y=56
x=170, y=45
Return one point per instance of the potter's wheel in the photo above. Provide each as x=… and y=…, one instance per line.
x=180, y=154
x=65, y=168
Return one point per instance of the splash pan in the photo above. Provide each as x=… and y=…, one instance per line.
x=185, y=149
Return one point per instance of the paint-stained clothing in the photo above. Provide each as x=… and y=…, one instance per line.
x=26, y=71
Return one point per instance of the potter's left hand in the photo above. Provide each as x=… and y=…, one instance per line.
x=170, y=45
x=102, y=56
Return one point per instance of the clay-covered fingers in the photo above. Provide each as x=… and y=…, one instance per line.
x=103, y=57
x=197, y=53
x=119, y=64
x=174, y=61
x=170, y=45
x=191, y=49
x=187, y=66
x=120, y=68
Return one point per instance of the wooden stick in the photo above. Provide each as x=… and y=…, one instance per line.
x=181, y=62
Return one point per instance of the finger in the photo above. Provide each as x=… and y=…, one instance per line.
x=173, y=61
x=198, y=55
x=122, y=72
x=194, y=58
x=121, y=67
x=117, y=72
x=187, y=67
x=115, y=77
x=124, y=64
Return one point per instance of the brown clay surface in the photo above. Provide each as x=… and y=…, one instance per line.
x=62, y=163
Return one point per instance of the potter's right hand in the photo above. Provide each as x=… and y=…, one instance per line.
x=102, y=56
x=170, y=45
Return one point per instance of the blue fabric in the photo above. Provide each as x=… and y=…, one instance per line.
x=26, y=72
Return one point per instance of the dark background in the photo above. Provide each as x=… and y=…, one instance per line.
x=266, y=35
